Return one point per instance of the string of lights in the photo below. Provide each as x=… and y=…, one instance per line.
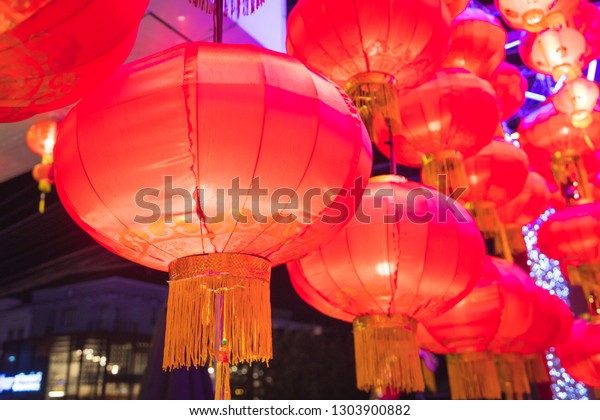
x=546, y=273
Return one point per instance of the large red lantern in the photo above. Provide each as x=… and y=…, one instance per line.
x=493, y=315
x=580, y=354
x=510, y=86
x=246, y=180
x=450, y=116
x=526, y=207
x=385, y=276
x=370, y=47
x=50, y=57
x=476, y=43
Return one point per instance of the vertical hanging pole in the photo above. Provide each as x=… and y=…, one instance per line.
x=218, y=22
x=393, y=168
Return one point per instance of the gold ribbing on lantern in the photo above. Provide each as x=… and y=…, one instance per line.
x=537, y=370
x=387, y=356
x=587, y=276
x=473, y=376
x=571, y=177
x=218, y=309
x=445, y=171
x=374, y=94
x=490, y=226
x=512, y=376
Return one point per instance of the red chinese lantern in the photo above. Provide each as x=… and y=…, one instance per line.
x=51, y=58
x=551, y=325
x=510, y=86
x=495, y=176
x=476, y=43
x=456, y=6
x=577, y=99
x=370, y=47
x=439, y=120
x=41, y=138
x=234, y=191
x=526, y=207
x=403, y=258
x=572, y=233
x=585, y=17
x=493, y=315
x=580, y=354
x=547, y=129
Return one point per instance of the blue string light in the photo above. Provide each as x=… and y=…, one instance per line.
x=546, y=273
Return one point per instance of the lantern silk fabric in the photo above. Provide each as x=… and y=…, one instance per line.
x=342, y=38
x=415, y=269
x=497, y=173
x=52, y=52
x=531, y=202
x=455, y=110
x=476, y=43
x=149, y=163
x=510, y=86
x=580, y=354
x=572, y=233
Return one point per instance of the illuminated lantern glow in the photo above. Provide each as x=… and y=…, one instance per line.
x=529, y=15
x=496, y=313
x=495, y=176
x=580, y=354
x=41, y=138
x=456, y=6
x=370, y=47
x=510, y=86
x=557, y=52
x=231, y=110
x=436, y=119
x=384, y=277
x=49, y=57
x=577, y=99
x=526, y=207
x=476, y=43
x=550, y=130
x=586, y=19
x=230, y=7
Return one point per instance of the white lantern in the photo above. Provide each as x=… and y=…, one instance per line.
x=577, y=99
x=559, y=52
x=526, y=14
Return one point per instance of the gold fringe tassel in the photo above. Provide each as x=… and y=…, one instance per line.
x=218, y=297
x=230, y=7
x=445, y=171
x=571, y=177
x=387, y=356
x=587, y=276
x=473, y=376
x=537, y=369
x=512, y=376
x=374, y=94
x=488, y=222
x=428, y=377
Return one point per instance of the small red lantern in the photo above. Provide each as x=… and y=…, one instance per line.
x=580, y=354
x=241, y=121
x=532, y=15
x=41, y=139
x=50, y=56
x=476, y=43
x=510, y=86
x=385, y=276
x=577, y=99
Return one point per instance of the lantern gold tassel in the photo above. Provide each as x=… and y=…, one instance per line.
x=512, y=376
x=387, y=356
x=537, y=370
x=492, y=229
x=374, y=95
x=473, y=376
x=445, y=171
x=230, y=7
x=216, y=299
